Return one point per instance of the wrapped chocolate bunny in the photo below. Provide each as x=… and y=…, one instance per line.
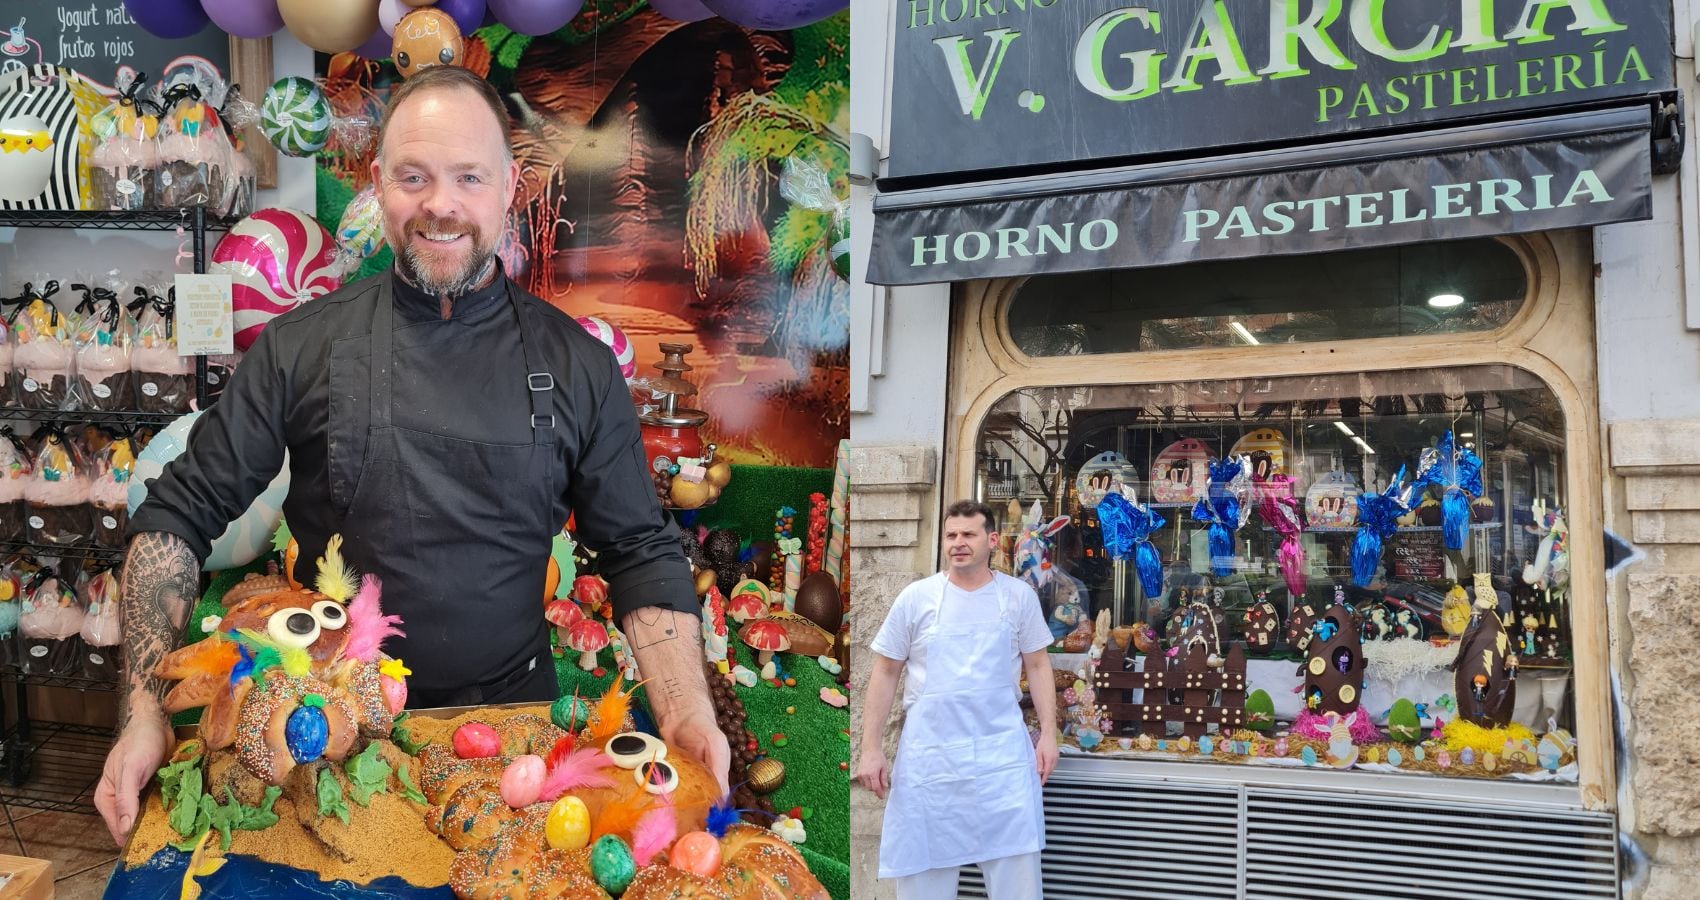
x=102, y=631
x=57, y=492
x=16, y=466
x=165, y=382
x=42, y=353
x=109, y=493
x=51, y=623
x=103, y=334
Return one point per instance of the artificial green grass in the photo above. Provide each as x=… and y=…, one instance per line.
x=756, y=493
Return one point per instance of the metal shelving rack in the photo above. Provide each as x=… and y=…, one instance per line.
x=54, y=765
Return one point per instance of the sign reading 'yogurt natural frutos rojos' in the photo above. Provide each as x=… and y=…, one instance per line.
x=982, y=85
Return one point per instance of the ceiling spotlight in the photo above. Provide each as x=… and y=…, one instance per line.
x=1445, y=301
x=1245, y=335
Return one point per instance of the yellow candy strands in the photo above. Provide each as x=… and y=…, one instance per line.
x=336, y=580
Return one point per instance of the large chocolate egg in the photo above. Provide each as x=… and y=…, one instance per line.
x=425, y=38
x=817, y=601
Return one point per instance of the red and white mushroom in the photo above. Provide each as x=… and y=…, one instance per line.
x=562, y=614
x=586, y=636
x=591, y=591
x=767, y=638
x=746, y=606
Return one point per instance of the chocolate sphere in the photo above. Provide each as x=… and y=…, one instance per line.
x=817, y=601
x=761, y=561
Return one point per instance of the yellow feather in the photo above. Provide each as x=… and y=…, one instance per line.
x=296, y=662
x=336, y=580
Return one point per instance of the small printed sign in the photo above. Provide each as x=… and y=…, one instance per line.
x=205, y=321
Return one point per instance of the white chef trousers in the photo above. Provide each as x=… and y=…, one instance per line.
x=1007, y=878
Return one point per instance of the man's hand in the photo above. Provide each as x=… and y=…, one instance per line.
x=872, y=773
x=139, y=752
x=1046, y=751
x=668, y=647
x=702, y=738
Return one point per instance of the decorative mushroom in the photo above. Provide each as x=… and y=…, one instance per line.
x=746, y=606
x=563, y=614
x=587, y=636
x=767, y=638
x=592, y=592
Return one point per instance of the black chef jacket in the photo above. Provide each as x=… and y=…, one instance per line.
x=463, y=377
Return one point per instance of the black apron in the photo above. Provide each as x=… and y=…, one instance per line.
x=460, y=532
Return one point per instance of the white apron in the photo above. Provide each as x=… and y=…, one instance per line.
x=965, y=785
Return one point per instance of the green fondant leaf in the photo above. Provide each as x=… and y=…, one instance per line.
x=330, y=796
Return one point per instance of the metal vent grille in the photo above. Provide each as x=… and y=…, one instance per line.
x=1111, y=834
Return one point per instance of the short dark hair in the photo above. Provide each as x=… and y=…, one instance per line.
x=964, y=508
x=442, y=78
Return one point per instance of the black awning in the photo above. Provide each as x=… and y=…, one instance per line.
x=1568, y=171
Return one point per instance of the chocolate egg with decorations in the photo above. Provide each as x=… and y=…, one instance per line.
x=766, y=775
x=425, y=38
x=817, y=600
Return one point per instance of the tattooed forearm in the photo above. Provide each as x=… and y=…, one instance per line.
x=160, y=586
x=668, y=646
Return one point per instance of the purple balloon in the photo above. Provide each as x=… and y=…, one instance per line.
x=378, y=46
x=468, y=14
x=244, y=18
x=390, y=13
x=535, y=17
x=774, y=15
x=682, y=10
x=168, y=18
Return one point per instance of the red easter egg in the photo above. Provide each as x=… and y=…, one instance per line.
x=696, y=852
x=395, y=693
x=476, y=740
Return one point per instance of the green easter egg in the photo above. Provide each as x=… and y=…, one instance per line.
x=611, y=864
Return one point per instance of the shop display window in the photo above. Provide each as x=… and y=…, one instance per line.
x=1363, y=570
x=1447, y=288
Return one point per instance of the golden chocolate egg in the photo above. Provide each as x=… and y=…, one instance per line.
x=766, y=775
x=425, y=38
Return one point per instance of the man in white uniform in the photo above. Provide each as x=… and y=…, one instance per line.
x=965, y=785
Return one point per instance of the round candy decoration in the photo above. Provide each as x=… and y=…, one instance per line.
x=244, y=539
x=426, y=38
x=277, y=259
x=522, y=781
x=616, y=341
x=476, y=740
x=296, y=117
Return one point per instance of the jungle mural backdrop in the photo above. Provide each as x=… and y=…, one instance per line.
x=680, y=181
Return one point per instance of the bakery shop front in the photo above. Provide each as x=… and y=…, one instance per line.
x=1273, y=336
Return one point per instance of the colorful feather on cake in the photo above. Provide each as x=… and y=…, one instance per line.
x=609, y=716
x=655, y=831
x=581, y=768
x=336, y=580
x=213, y=657
x=367, y=625
x=620, y=816
x=722, y=816
x=562, y=749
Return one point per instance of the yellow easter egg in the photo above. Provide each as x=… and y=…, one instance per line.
x=8, y=590
x=568, y=824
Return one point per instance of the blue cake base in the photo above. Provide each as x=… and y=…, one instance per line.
x=247, y=877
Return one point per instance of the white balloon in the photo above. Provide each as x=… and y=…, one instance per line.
x=245, y=539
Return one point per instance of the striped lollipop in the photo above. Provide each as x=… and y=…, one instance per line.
x=296, y=117
x=616, y=341
x=277, y=259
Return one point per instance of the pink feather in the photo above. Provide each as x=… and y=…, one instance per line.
x=654, y=831
x=367, y=625
x=581, y=769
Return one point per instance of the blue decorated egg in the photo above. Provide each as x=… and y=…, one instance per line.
x=306, y=734
x=1394, y=759
x=1467, y=757
x=1418, y=752
x=1089, y=738
x=1205, y=746
x=1309, y=756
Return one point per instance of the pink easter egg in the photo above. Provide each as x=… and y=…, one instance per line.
x=616, y=341
x=277, y=259
x=395, y=693
x=522, y=781
x=476, y=740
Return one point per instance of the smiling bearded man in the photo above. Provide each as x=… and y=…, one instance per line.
x=445, y=422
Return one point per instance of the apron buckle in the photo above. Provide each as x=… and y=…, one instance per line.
x=548, y=421
x=547, y=384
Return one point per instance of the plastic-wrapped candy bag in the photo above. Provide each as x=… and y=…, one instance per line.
x=361, y=231
x=103, y=334
x=16, y=465
x=42, y=352
x=102, y=627
x=124, y=161
x=808, y=185
x=109, y=493
x=51, y=623
x=165, y=381
x=57, y=492
x=195, y=155
x=11, y=609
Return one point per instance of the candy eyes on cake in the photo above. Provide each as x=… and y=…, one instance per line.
x=401, y=60
x=330, y=614
x=293, y=627
x=658, y=777
x=446, y=56
x=634, y=748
